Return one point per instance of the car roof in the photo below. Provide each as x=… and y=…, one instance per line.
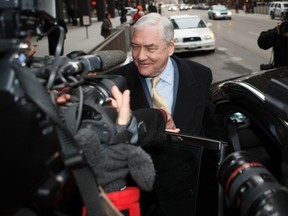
x=218, y=5
x=259, y=80
x=183, y=16
x=278, y=2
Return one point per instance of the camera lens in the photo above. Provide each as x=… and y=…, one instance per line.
x=251, y=187
x=284, y=27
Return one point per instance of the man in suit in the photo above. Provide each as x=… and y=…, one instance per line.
x=185, y=85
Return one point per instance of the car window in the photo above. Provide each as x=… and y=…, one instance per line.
x=251, y=136
x=186, y=23
x=201, y=24
x=220, y=8
x=285, y=5
x=201, y=153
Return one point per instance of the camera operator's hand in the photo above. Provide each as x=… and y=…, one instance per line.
x=121, y=101
x=62, y=98
x=278, y=27
x=31, y=49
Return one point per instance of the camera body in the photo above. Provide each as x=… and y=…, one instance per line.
x=23, y=17
x=283, y=28
x=31, y=153
x=266, y=66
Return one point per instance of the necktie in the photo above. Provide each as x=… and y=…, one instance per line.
x=157, y=99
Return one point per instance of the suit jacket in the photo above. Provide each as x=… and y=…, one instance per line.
x=175, y=186
x=191, y=97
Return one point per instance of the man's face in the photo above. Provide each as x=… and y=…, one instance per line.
x=149, y=51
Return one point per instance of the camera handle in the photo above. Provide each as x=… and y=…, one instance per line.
x=72, y=155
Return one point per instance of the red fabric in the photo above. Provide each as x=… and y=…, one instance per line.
x=136, y=16
x=127, y=199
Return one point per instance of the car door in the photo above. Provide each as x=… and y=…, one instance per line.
x=278, y=10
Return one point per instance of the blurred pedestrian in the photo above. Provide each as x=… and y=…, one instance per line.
x=136, y=16
x=123, y=15
x=236, y=7
x=71, y=15
x=152, y=8
x=106, y=27
x=159, y=8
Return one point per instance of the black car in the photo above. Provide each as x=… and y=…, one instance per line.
x=255, y=114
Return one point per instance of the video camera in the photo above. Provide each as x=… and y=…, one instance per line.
x=266, y=66
x=37, y=167
x=283, y=28
x=250, y=188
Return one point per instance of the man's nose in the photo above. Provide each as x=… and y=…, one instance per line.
x=142, y=54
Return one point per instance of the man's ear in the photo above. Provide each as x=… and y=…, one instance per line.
x=171, y=47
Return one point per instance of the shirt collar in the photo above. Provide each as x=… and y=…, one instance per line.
x=167, y=75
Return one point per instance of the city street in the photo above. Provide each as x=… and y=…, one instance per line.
x=237, y=52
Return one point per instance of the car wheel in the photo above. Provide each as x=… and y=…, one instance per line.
x=272, y=16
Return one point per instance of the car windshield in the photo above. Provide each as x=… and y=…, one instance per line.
x=220, y=8
x=186, y=23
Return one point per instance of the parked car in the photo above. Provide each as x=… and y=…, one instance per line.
x=255, y=112
x=192, y=33
x=183, y=7
x=131, y=11
x=256, y=108
x=203, y=6
x=172, y=7
x=219, y=12
x=278, y=9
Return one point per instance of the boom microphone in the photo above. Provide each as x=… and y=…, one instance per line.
x=100, y=61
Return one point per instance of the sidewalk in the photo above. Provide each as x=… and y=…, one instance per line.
x=77, y=38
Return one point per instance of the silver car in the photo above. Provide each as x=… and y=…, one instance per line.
x=191, y=33
x=278, y=9
x=219, y=12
